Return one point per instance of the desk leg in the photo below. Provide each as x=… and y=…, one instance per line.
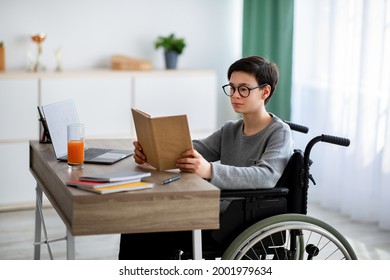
x=40, y=226
x=70, y=246
x=38, y=223
x=197, y=244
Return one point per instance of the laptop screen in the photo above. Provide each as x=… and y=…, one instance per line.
x=58, y=116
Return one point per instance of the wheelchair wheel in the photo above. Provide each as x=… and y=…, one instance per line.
x=290, y=237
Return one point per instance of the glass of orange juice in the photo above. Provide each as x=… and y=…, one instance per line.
x=76, y=145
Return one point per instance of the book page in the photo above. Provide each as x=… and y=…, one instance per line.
x=144, y=135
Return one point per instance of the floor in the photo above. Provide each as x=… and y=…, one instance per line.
x=17, y=234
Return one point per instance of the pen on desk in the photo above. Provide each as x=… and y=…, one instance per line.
x=170, y=180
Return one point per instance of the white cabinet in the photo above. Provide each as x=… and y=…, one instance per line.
x=18, y=109
x=103, y=100
x=17, y=184
x=18, y=124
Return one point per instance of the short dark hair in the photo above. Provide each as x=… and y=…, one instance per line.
x=264, y=71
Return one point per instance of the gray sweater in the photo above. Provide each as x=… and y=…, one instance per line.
x=247, y=162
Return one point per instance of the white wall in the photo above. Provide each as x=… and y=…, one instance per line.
x=90, y=31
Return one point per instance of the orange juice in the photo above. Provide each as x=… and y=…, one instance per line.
x=75, y=152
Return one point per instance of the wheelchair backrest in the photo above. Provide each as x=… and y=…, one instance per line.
x=293, y=179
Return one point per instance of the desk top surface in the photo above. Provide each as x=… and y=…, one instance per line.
x=187, y=204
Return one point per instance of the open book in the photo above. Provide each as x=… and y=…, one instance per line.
x=163, y=139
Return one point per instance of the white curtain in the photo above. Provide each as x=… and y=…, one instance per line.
x=341, y=86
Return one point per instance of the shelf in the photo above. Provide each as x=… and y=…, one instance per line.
x=7, y=75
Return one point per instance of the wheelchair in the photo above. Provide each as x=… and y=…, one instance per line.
x=271, y=224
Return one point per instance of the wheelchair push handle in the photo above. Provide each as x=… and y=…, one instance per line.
x=297, y=127
x=335, y=140
x=324, y=138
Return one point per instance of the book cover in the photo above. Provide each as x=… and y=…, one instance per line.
x=96, y=185
x=121, y=175
x=120, y=188
x=163, y=139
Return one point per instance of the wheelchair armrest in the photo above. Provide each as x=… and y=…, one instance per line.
x=278, y=191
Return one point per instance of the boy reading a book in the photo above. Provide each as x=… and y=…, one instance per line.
x=248, y=153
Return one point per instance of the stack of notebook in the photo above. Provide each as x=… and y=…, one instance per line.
x=119, y=181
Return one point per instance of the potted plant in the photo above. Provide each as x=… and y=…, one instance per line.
x=173, y=47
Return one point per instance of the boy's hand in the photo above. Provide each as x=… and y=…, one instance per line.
x=193, y=162
x=139, y=156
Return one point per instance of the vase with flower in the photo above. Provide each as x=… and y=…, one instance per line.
x=38, y=38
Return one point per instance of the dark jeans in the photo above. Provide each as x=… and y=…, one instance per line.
x=155, y=246
x=166, y=246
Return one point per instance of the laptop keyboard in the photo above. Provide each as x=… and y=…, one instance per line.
x=94, y=152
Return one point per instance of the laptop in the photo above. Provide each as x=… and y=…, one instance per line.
x=58, y=116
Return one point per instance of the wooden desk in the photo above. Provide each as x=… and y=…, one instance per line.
x=190, y=203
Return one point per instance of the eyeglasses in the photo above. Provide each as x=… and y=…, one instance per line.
x=243, y=91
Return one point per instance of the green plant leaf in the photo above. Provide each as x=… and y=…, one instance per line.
x=170, y=43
